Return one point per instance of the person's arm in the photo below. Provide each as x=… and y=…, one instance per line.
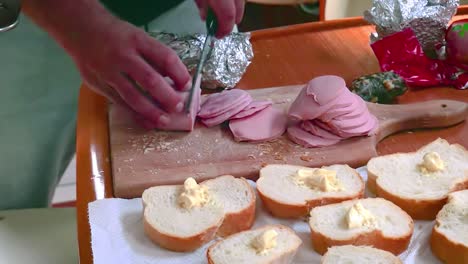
x=65, y=20
x=112, y=54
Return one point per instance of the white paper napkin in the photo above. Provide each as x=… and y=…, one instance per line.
x=117, y=236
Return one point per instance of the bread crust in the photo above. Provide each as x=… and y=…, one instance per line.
x=285, y=258
x=239, y=221
x=419, y=209
x=450, y=252
x=395, y=245
x=375, y=238
x=395, y=259
x=229, y=224
x=284, y=210
x=180, y=244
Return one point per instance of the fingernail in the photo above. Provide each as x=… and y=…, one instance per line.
x=180, y=107
x=188, y=85
x=164, y=120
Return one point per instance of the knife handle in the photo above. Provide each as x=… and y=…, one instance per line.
x=211, y=22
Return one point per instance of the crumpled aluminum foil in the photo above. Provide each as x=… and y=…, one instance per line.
x=227, y=61
x=427, y=18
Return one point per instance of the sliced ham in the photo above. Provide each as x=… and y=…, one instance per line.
x=306, y=139
x=368, y=128
x=315, y=97
x=314, y=129
x=268, y=124
x=214, y=121
x=220, y=103
x=325, y=88
x=356, y=108
x=346, y=123
x=305, y=106
x=329, y=113
x=252, y=108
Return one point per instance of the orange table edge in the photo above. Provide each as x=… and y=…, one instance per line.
x=94, y=179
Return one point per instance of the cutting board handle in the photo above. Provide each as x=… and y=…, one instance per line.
x=429, y=114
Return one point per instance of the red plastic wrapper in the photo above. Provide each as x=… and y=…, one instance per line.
x=403, y=54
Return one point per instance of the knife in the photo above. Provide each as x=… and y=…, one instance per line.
x=9, y=14
x=211, y=26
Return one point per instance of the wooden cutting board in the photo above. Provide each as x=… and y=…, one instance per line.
x=141, y=159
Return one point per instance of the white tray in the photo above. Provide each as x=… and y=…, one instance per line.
x=117, y=236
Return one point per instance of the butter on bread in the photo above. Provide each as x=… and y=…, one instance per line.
x=358, y=255
x=377, y=223
x=290, y=191
x=419, y=182
x=184, y=217
x=265, y=245
x=449, y=239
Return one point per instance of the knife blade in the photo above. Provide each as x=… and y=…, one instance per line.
x=211, y=26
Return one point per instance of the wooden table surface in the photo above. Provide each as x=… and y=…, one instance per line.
x=283, y=56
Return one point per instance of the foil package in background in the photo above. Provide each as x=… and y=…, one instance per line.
x=226, y=63
x=427, y=18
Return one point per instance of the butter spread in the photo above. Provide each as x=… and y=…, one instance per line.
x=193, y=194
x=431, y=163
x=318, y=179
x=265, y=241
x=358, y=216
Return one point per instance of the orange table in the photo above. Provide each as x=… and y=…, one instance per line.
x=283, y=56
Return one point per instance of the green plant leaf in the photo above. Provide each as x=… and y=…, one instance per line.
x=461, y=29
x=457, y=28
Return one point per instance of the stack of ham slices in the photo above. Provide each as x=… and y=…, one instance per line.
x=326, y=112
x=250, y=120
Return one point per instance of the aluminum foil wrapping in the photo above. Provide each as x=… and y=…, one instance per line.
x=227, y=61
x=427, y=18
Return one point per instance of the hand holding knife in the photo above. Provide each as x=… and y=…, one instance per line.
x=211, y=26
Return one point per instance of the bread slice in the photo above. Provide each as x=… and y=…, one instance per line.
x=284, y=198
x=238, y=200
x=392, y=231
x=166, y=223
x=397, y=178
x=449, y=240
x=358, y=255
x=238, y=249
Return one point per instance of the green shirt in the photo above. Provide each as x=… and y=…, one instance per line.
x=139, y=12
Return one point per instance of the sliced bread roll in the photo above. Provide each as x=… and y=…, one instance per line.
x=229, y=208
x=365, y=222
x=358, y=255
x=270, y=244
x=238, y=200
x=449, y=240
x=285, y=194
x=419, y=182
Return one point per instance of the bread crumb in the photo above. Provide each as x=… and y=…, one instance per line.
x=306, y=158
x=148, y=150
x=251, y=156
x=278, y=157
x=264, y=164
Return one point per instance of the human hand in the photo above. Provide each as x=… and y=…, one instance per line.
x=114, y=56
x=228, y=13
